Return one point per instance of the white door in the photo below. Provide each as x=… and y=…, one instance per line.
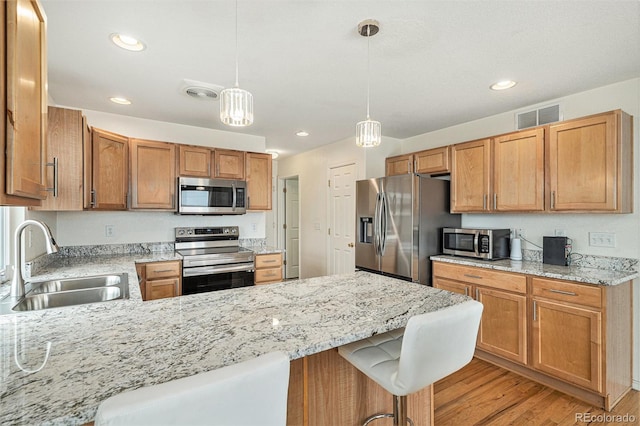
x=342, y=219
x=291, y=229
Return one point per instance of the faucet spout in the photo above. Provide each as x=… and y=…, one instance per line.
x=17, y=283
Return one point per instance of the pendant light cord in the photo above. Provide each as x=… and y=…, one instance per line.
x=237, y=44
x=368, y=66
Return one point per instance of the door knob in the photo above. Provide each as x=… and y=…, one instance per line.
x=350, y=245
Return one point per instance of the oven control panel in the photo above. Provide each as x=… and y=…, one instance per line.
x=213, y=233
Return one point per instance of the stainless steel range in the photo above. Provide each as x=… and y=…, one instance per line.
x=213, y=259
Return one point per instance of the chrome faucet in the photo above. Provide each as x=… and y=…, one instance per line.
x=17, y=284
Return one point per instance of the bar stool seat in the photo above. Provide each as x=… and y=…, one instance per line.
x=431, y=347
x=249, y=393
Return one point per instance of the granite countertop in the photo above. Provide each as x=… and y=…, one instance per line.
x=103, y=349
x=264, y=249
x=570, y=273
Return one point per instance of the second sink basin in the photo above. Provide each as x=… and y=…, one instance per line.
x=68, y=284
x=34, y=302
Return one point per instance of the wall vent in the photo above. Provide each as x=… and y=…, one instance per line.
x=538, y=117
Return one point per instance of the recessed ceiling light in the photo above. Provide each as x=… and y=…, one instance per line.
x=121, y=101
x=502, y=85
x=273, y=152
x=302, y=133
x=127, y=42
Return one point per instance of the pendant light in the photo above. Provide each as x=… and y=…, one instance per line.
x=368, y=132
x=236, y=104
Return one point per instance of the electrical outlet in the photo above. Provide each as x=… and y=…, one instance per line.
x=254, y=227
x=561, y=232
x=602, y=239
x=520, y=233
x=109, y=231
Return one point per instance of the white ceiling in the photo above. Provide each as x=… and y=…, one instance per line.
x=303, y=60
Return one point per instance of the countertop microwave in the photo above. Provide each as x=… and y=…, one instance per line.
x=211, y=196
x=488, y=244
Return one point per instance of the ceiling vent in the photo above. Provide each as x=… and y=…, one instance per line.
x=200, y=90
x=538, y=117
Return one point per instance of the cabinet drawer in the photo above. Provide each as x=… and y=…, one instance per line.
x=563, y=291
x=162, y=270
x=485, y=277
x=268, y=275
x=268, y=260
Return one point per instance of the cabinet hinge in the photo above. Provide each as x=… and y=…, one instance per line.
x=329, y=231
x=329, y=183
x=284, y=190
x=284, y=226
x=284, y=262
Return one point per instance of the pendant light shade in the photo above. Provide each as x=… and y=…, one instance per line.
x=236, y=104
x=368, y=132
x=236, y=107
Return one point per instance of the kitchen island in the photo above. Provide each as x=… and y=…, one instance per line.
x=103, y=349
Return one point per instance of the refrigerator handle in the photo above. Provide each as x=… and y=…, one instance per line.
x=376, y=226
x=384, y=211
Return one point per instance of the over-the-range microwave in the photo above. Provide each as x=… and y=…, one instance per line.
x=211, y=196
x=488, y=244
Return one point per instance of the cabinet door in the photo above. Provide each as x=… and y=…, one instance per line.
x=503, y=328
x=258, y=181
x=470, y=173
x=194, y=161
x=229, y=164
x=153, y=174
x=65, y=153
x=399, y=165
x=518, y=171
x=567, y=343
x=432, y=161
x=453, y=286
x=110, y=170
x=583, y=162
x=26, y=100
x=160, y=289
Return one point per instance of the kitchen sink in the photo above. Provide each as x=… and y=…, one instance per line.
x=69, y=292
x=76, y=284
x=34, y=302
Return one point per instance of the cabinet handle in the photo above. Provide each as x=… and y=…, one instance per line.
x=484, y=202
x=495, y=201
x=553, y=200
x=269, y=261
x=473, y=276
x=415, y=166
x=55, y=176
x=477, y=294
x=248, y=201
x=535, y=314
x=466, y=291
x=567, y=293
x=93, y=198
x=409, y=166
x=217, y=169
x=161, y=271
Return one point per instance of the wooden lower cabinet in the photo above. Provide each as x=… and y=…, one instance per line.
x=325, y=389
x=159, y=280
x=268, y=268
x=570, y=336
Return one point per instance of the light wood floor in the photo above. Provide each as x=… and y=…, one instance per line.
x=483, y=394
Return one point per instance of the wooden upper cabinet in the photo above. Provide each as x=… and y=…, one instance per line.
x=153, y=174
x=228, y=164
x=110, y=170
x=258, y=179
x=194, y=161
x=518, y=171
x=399, y=165
x=64, y=172
x=470, y=176
x=590, y=164
x=24, y=124
x=433, y=161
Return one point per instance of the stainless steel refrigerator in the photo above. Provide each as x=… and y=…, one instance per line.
x=399, y=221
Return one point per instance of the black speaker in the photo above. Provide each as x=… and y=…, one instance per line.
x=554, y=250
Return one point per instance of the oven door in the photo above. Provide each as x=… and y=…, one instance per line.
x=218, y=277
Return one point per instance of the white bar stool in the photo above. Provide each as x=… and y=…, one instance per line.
x=250, y=393
x=432, y=346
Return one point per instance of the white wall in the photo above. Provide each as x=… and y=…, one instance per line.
x=312, y=169
x=87, y=228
